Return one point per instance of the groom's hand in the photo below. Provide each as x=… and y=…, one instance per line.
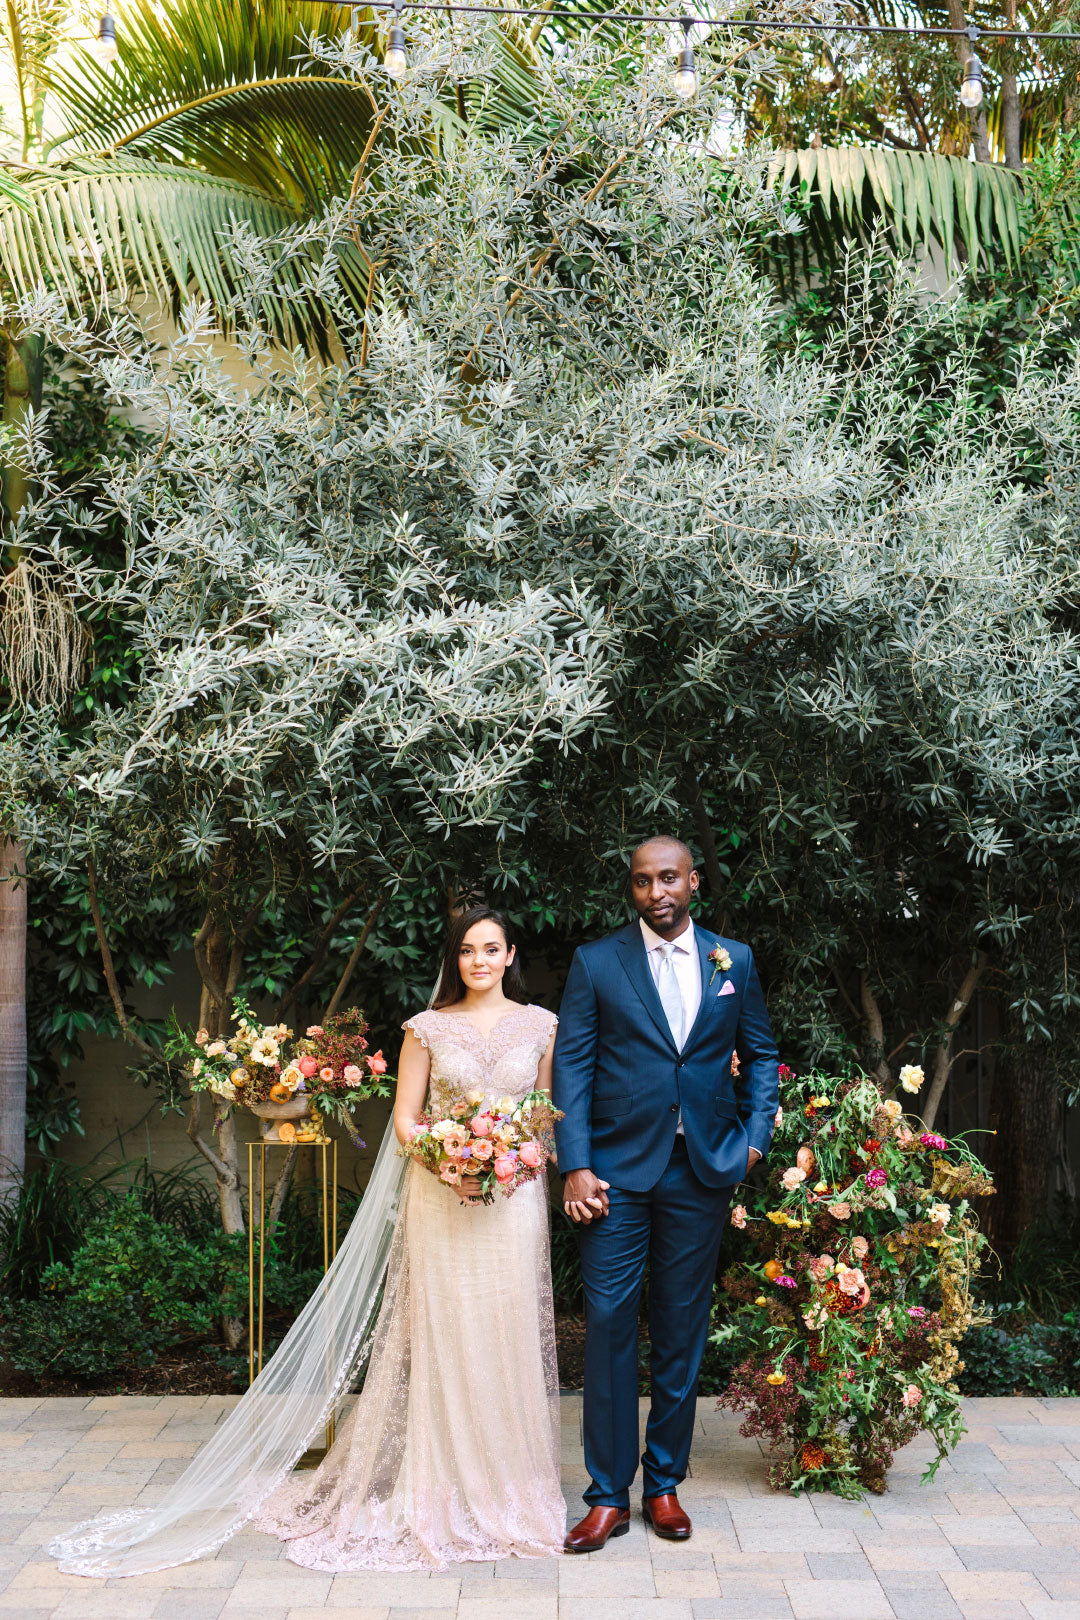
x=751, y=1159
x=585, y=1196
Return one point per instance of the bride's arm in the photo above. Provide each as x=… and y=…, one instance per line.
x=412, y=1084
x=543, y=1070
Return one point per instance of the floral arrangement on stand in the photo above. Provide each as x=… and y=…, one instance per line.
x=503, y=1144
x=293, y=1085
x=865, y=1250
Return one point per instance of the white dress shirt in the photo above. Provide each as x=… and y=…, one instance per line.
x=687, y=964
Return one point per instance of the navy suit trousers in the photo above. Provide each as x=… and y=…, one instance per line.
x=675, y=1227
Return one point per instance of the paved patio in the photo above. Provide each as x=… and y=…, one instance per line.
x=995, y=1537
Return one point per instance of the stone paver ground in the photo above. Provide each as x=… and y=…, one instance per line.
x=996, y=1536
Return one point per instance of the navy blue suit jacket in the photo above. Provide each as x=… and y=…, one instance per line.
x=621, y=1082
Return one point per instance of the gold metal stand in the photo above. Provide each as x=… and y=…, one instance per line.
x=328, y=1184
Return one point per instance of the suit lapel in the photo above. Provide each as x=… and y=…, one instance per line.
x=632, y=955
x=708, y=996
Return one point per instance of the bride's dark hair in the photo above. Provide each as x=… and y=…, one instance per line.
x=451, y=985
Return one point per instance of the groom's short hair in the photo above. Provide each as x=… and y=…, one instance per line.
x=666, y=838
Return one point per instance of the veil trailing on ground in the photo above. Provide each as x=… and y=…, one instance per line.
x=273, y=1424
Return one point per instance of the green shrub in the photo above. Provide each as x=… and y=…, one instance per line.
x=133, y=1288
x=1018, y=1353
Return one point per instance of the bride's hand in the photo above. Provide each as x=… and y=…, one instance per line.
x=469, y=1188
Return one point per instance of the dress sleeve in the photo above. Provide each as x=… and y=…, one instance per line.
x=420, y=1026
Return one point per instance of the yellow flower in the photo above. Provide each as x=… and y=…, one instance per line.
x=892, y=1108
x=912, y=1077
x=474, y=1097
x=761, y=1300
x=822, y=1187
x=777, y=1216
x=776, y=1378
x=505, y=1105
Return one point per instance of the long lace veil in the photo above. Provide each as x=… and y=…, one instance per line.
x=259, y=1442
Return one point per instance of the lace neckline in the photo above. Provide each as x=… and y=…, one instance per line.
x=482, y=1034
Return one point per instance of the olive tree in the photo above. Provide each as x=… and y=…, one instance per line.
x=564, y=547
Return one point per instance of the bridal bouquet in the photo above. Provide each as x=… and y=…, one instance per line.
x=500, y=1142
x=257, y=1063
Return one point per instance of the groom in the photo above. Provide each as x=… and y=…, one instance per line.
x=655, y=1137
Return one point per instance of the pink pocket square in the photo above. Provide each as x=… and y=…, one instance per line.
x=726, y=989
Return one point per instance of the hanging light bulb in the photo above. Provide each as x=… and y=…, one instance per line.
x=971, y=88
x=107, y=48
x=395, y=61
x=685, y=81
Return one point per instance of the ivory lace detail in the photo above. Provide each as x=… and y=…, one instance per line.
x=451, y=1452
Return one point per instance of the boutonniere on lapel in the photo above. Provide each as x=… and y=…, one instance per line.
x=721, y=962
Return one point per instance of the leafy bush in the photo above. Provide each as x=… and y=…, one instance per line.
x=1017, y=1353
x=48, y=1220
x=858, y=1289
x=44, y=1224
x=134, y=1287
x=99, y=1274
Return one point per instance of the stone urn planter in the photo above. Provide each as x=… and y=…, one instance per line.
x=272, y=1114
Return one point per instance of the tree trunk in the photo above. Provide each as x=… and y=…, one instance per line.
x=22, y=393
x=12, y=1018
x=877, y=1064
x=1010, y=104
x=962, y=50
x=219, y=962
x=943, y=1056
x=1027, y=1113
x=23, y=371
x=1010, y=122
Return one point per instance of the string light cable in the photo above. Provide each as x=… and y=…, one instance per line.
x=685, y=78
x=1019, y=36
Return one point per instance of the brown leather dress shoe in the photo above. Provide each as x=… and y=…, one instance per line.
x=596, y=1529
x=666, y=1517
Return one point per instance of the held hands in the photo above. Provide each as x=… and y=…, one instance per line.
x=585, y=1196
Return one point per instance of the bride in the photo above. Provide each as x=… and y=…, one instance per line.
x=451, y=1451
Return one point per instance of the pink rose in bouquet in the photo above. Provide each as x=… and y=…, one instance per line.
x=502, y=1144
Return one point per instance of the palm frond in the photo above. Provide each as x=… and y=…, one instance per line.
x=228, y=87
x=919, y=197
x=297, y=139
x=95, y=225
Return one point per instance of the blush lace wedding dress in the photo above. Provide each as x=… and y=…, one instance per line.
x=451, y=1451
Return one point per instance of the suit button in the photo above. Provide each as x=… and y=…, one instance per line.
x=674, y=1108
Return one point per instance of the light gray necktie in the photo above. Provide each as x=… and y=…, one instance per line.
x=671, y=1000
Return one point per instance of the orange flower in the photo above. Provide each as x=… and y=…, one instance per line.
x=773, y=1269
x=812, y=1456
